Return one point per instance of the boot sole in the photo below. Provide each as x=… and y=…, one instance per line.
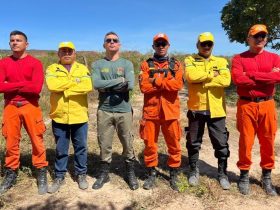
x=131, y=186
x=274, y=193
x=224, y=185
x=175, y=188
x=83, y=187
x=149, y=188
x=135, y=187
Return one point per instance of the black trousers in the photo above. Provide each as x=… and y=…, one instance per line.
x=217, y=132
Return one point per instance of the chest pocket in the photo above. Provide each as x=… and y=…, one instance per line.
x=199, y=65
x=77, y=74
x=120, y=71
x=61, y=73
x=214, y=65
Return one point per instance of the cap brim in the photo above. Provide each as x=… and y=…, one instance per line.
x=206, y=40
x=256, y=32
x=161, y=38
x=66, y=47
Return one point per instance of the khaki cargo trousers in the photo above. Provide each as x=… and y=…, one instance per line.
x=107, y=123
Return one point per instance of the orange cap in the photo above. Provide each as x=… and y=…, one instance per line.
x=161, y=36
x=257, y=29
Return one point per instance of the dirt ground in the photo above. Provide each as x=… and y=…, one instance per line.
x=117, y=195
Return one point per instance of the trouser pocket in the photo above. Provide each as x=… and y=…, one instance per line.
x=40, y=126
x=142, y=134
x=4, y=129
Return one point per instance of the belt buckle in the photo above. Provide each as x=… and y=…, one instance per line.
x=260, y=99
x=19, y=104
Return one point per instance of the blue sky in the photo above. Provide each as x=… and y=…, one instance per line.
x=48, y=22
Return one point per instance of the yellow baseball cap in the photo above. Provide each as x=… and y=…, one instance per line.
x=206, y=36
x=257, y=29
x=66, y=45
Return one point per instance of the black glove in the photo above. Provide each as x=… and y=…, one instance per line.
x=121, y=87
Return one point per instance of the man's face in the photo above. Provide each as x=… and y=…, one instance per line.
x=161, y=47
x=257, y=41
x=205, y=48
x=18, y=43
x=112, y=43
x=67, y=56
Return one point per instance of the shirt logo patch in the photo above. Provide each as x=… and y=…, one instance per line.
x=105, y=70
x=120, y=71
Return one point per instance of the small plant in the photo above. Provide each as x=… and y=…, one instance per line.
x=183, y=185
x=25, y=170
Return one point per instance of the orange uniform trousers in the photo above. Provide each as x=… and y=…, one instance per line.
x=30, y=116
x=256, y=119
x=149, y=131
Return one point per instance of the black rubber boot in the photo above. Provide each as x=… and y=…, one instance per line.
x=42, y=181
x=266, y=182
x=222, y=173
x=174, y=178
x=150, y=181
x=194, y=174
x=103, y=176
x=244, y=183
x=194, y=169
x=9, y=180
x=130, y=176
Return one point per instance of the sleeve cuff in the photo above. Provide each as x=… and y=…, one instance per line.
x=210, y=75
x=66, y=93
x=158, y=82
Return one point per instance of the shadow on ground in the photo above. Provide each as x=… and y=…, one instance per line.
x=59, y=204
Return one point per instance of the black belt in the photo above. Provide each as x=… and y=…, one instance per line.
x=256, y=99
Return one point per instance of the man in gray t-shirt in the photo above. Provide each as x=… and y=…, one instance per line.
x=113, y=77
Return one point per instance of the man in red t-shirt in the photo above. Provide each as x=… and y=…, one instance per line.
x=21, y=81
x=255, y=73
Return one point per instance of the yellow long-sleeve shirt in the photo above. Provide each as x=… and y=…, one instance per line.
x=68, y=93
x=206, y=92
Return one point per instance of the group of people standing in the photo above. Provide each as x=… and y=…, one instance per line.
x=255, y=73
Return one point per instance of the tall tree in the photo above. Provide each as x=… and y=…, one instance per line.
x=239, y=15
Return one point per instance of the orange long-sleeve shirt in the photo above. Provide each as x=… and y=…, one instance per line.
x=161, y=98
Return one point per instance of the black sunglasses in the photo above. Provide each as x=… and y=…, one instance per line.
x=112, y=40
x=204, y=44
x=256, y=36
x=158, y=44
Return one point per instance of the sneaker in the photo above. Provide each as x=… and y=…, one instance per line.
x=56, y=185
x=82, y=181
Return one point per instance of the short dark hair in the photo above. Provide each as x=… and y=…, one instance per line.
x=15, y=32
x=110, y=33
